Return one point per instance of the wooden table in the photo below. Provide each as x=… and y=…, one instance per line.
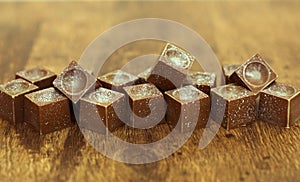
x=52, y=34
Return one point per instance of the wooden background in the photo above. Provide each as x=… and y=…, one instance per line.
x=51, y=34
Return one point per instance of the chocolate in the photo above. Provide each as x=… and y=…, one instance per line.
x=147, y=105
x=255, y=74
x=172, y=68
x=118, y=79
x=228, y=69
x=279, y=104
x=185, y=105
x=74, y=81
x=204, y=81
x=12, y=99
x=144, y=75
x=94, y=87
x=47, y=111
x=38, y=76
x=102, y=105
x=234, y=106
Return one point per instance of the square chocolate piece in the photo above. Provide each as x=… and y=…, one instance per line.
x=187, y=107
x=47, y=111
x=147, y=105
x=280, y=104
x=204, y=81
x=38, y=76
x=228, y=69
x=255, y=74
x=74, y=81
x=144, y=75
x=102, y=106
x=172, y=68
x=118, y=79
x=12, y=99
x=233, y=106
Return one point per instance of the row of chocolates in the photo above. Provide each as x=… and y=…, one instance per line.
x=118, y=96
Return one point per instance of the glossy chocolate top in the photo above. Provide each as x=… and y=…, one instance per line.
x=35, y=74
x=146, y=90
x=103, y=96
x=118, y=78
x=203, y=78
x=17, y=87
x=187, y=94
x=177, y=57
x=46, y=96
x=232, y=92
x=74, y=81
x=256, y=74
x=282, y=90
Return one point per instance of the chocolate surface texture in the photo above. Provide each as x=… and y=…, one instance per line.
x=147, y=105
x=234, y=106
x=143, y=76
x=47, y=111
x=38, y=76
x=12, y=99
x=172, y=68
x=104, y=110
x=187, y=108
x=118, y=79
x=280, y=104
x=255, y=74
x=204, y=81
x=228, y=70
x=74, y=81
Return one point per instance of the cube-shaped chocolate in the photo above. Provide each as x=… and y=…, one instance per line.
x=74, y=81
x=228, y=69
x=76, y=106
x=255, y=74
x=172, y=68
x=187, y=107
x=144, y=75
x=102, y=110
x=233, y=106
x=47, y=111
x=38, y=76
x=280, y=104
x=147, y=104
x=12, y=99
x=204, y=81
x=118, y=79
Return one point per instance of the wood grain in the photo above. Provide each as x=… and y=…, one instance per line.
x=51, y=34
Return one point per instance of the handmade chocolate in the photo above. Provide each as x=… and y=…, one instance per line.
x=172, y=68
x=144, y=75
x=12, y=99
x=38, y=76
x=47, y=111
x=280, y=104
x=147, y=105
x=204, y=81
x=255, y=74
x=187, y=107
x=228, y=69
x=118, y=79
x=233, y=106
x=102, y=105
x=74, y=81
